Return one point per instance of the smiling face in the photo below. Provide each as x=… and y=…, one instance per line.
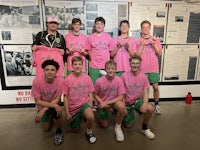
x=110, y=70
x=77, y=67
x=145, y=28
x=76, y=26
x=99, y=26
x=50, y=72
x=124, y=28
x=135, y=65
x=53, y=26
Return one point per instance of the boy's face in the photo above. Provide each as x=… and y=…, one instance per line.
x=50, y=72
x=145, y=29
x=77, y=67
x=110, y=70
x=135, y=65
x=124, y=28
x=99, y=26
x=53, y=26
x=76, y=26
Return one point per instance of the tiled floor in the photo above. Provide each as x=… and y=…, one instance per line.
x=178, y=128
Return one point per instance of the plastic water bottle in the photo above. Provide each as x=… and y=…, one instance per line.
x=188, y=99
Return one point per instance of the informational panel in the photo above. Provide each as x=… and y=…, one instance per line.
x=180, y=63
x=155, y=12
x=183, y=24
x=19, y=21
x=65, y=11
x=17, y=67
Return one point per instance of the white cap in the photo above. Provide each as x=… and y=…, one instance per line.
x=52, y=19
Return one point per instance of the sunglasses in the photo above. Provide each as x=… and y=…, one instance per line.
x=53, y=22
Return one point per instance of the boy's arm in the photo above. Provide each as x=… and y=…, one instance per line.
x=145, y=96
x=66, y=105
x=98, y=98
x=115, y=100
x=91, y=99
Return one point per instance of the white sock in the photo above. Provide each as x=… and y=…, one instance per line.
x=89, y=131
x=117, y=125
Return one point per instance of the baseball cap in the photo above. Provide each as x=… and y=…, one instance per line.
x=52, y=19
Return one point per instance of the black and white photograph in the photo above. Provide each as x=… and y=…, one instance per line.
x=17, y=65
x=89, y=31
x=179, y=18
x=160, y=14
x=158, y=31
x=6, y=35
x=91, y=7
x=90, y=24
x=65, y=16
x=91, y=16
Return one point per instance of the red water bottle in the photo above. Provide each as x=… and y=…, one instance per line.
x=188, y=98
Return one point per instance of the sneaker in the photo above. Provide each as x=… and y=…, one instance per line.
x=157, y=109
x=119, y=134
x=91, y=138
x=150, y=135
x=59, y=138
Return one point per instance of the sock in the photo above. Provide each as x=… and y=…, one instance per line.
x=117, y=125
x=156, y=103
x=144, y=126
x=59, y=130
x=89, y=131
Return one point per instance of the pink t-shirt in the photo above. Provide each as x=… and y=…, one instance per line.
x=100, y=47
x=77, y=90
x=77, y=43
x=122, y=56
x=134, y=86
x=44, y=53
x=46, y=91
x=109, y=89
x=149, y=57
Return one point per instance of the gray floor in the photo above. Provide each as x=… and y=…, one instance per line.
x=178, y=128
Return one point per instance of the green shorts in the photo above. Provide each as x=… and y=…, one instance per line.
x=102, y=113
x=119, y=73
x=153, y=77
x=94, y=74
x=76, y=119
x=130, y=118
x=49, y=114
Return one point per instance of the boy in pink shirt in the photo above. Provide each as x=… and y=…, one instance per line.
x=77, y=44
x=136, y=97
x=123, y=48
x=109, y=93
x=100, y=46
x=47, y=91
x=77, y=91
x=149, y=49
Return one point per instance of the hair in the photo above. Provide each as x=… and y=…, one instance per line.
x=50, y=62
x=75, y=20
x=77, y=58
x=111, y=62
x=145, y=21
x=135, y=57
x=124, y=21
x=101, y=19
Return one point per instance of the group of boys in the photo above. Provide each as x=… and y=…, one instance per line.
x=121, y=95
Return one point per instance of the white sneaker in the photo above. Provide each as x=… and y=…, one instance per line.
x=150, y=135
x=157, y=109
x=119, y=134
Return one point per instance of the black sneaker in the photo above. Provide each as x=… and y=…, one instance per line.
x=59, y=138
x=91, y=138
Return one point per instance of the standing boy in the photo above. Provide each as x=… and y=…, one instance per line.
x=136, y=98
x=77, y=91
x=149, y=49
x=47, y=91
x=100, y=47
x=109, y=93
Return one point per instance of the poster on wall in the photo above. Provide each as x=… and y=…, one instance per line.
x=183, y=24
x=65, y=11
x=17, y=69
x=180, y=63
x=19, y=19
x=112, y=12
x=155, y=12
